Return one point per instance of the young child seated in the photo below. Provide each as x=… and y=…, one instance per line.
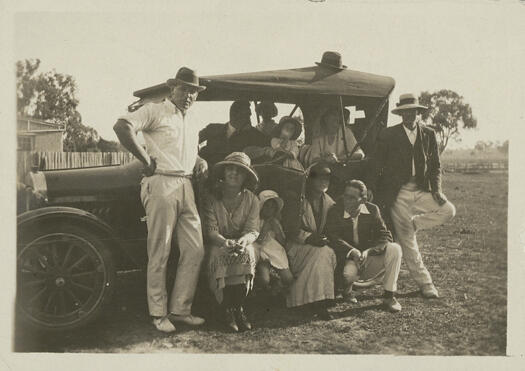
x=284, y=142
x=269, y=246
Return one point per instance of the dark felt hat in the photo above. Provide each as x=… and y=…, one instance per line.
x=318, y=169
x=332, y=60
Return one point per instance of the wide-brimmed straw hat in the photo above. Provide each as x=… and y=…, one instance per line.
x=271, y=195
x=407, y=101
x=186, y=76
x=297, y=130
x=332, y=60
x=242, y=160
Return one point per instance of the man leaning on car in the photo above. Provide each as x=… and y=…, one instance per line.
x=171, y=137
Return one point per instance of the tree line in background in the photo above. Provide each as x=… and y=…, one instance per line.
x=448, y=114
x=51, y=96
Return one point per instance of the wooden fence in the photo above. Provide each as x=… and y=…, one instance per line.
x=481, y=166
x=68, y=160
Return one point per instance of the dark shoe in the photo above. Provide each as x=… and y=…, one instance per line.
x=349, y=297
x=323, y=313
x=229, y=320
x=242, y=320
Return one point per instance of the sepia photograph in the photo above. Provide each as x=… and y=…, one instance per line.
x=282, y=177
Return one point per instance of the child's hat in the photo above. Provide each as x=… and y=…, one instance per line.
x=297, y=124
x=269, y=194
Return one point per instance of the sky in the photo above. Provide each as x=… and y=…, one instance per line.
x=469, y=47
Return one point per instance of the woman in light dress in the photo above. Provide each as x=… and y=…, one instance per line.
x=230, y=218
x=312, y=262
x=330, y=145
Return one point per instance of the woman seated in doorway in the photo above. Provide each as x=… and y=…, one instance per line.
x=311, y=261
x=330, y=145
x=230, y=219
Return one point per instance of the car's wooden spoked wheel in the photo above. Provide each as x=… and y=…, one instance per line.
x=61, y=280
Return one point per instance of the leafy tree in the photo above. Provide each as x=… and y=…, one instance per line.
x=447, y=114
x=482, y=146
x=504, y=147
x=51, y=96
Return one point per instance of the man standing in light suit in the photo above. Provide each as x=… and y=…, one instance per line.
x=170, y=158
x=407, y=182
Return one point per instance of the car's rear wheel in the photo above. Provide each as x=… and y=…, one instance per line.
x=65, y=276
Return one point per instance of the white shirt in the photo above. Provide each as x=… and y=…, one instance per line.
x=412, y=136
x=362, y=210
x=171, y=137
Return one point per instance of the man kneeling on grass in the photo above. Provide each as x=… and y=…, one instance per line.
x=363, y=244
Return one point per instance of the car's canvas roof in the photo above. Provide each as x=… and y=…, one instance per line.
x=285, y=85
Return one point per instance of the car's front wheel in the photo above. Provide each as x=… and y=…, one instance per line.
x=65, y=276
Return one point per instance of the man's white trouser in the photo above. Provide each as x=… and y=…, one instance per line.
x=387, y=264
x=170, y=208
x=414, y=206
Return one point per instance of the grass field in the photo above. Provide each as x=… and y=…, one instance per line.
x=466, y=257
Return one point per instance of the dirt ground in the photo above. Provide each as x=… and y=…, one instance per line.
x=466, y=257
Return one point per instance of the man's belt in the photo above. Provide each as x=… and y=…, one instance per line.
x=172, y=173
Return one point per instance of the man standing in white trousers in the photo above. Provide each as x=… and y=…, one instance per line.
x=170, y=158
x=407, y=182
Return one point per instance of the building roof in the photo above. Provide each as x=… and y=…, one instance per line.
x=45, y=126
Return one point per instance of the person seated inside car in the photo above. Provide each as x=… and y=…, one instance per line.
x=219, y=140
x=330, y=146
x=284, y=143
x=267, y=110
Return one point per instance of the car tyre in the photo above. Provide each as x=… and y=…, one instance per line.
x=65, y=276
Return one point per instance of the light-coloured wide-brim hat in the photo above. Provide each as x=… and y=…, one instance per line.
x=271, y=195
x=186, y=76
x=242, y=160
x=407, y=101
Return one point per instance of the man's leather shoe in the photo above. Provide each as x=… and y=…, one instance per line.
x=323, y=314
x=392, y=304
x=188, y=319
x=350, y=297
x=229, y=320
x=429, y=291
x=163, y=324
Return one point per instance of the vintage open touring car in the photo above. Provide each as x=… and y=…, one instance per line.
x=84, y=225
